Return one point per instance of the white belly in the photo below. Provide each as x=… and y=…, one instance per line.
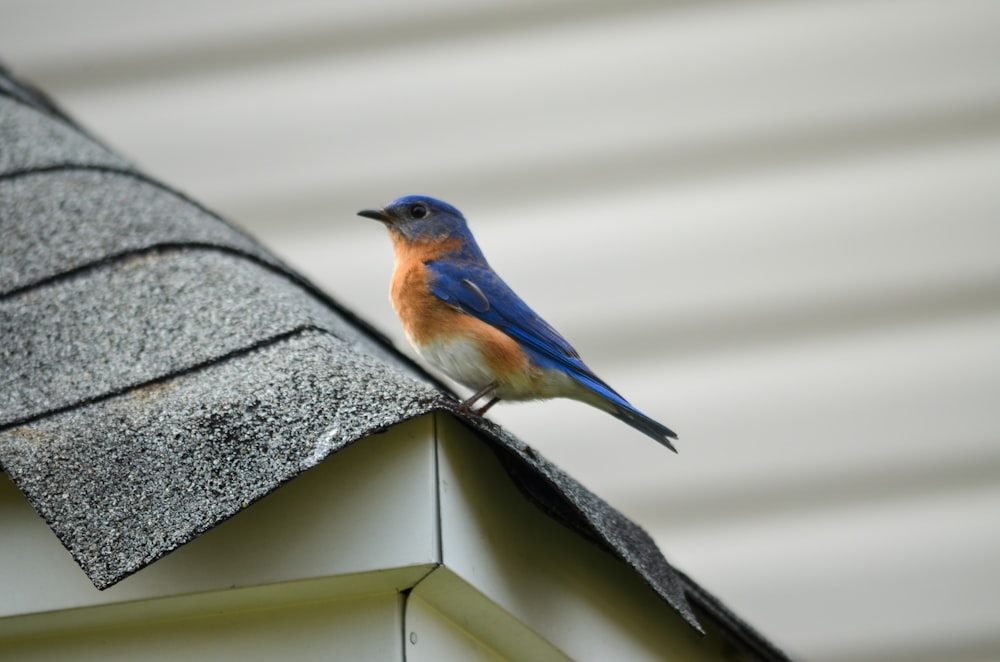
x=460, y=359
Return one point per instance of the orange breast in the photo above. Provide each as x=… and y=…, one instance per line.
x=427, y=320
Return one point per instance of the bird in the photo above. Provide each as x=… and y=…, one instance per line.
x=462, y=318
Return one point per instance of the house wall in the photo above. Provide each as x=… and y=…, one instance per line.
x=771, y=225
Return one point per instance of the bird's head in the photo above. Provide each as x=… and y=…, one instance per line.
x=419, y=218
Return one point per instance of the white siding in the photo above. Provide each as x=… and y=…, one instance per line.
x=775, y=226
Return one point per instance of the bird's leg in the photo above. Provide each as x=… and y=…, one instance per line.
x=478, y=395
x=482, y=410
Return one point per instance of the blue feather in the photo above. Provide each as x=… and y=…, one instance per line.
x=474, y=288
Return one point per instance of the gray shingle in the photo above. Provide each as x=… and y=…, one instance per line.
x=165, y=462
x=33, y=139
x=136, y=319
x=54, y=222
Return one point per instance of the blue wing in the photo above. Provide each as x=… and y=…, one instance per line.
x=479, y=292
x=476, y=290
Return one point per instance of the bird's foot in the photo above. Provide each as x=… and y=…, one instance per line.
x=477, y=396
x=482, y=410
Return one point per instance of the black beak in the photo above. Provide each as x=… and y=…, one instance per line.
x=377, y=214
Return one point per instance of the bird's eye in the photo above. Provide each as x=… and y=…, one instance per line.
x=418, y=211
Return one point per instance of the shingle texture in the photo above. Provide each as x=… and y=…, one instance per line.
x=44, y=236
x=160, y=370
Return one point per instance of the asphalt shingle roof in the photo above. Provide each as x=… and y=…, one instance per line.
x=160, y=370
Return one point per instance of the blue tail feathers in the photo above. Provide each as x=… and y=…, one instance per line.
x=620, y=408
x=646, y=425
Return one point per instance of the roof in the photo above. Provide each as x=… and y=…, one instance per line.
x=161, y=370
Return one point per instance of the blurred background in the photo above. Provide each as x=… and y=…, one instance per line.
x=772, y=225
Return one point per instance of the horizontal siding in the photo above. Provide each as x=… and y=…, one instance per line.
x=772, y=225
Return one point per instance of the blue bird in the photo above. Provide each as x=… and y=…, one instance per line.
x=465, y=320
